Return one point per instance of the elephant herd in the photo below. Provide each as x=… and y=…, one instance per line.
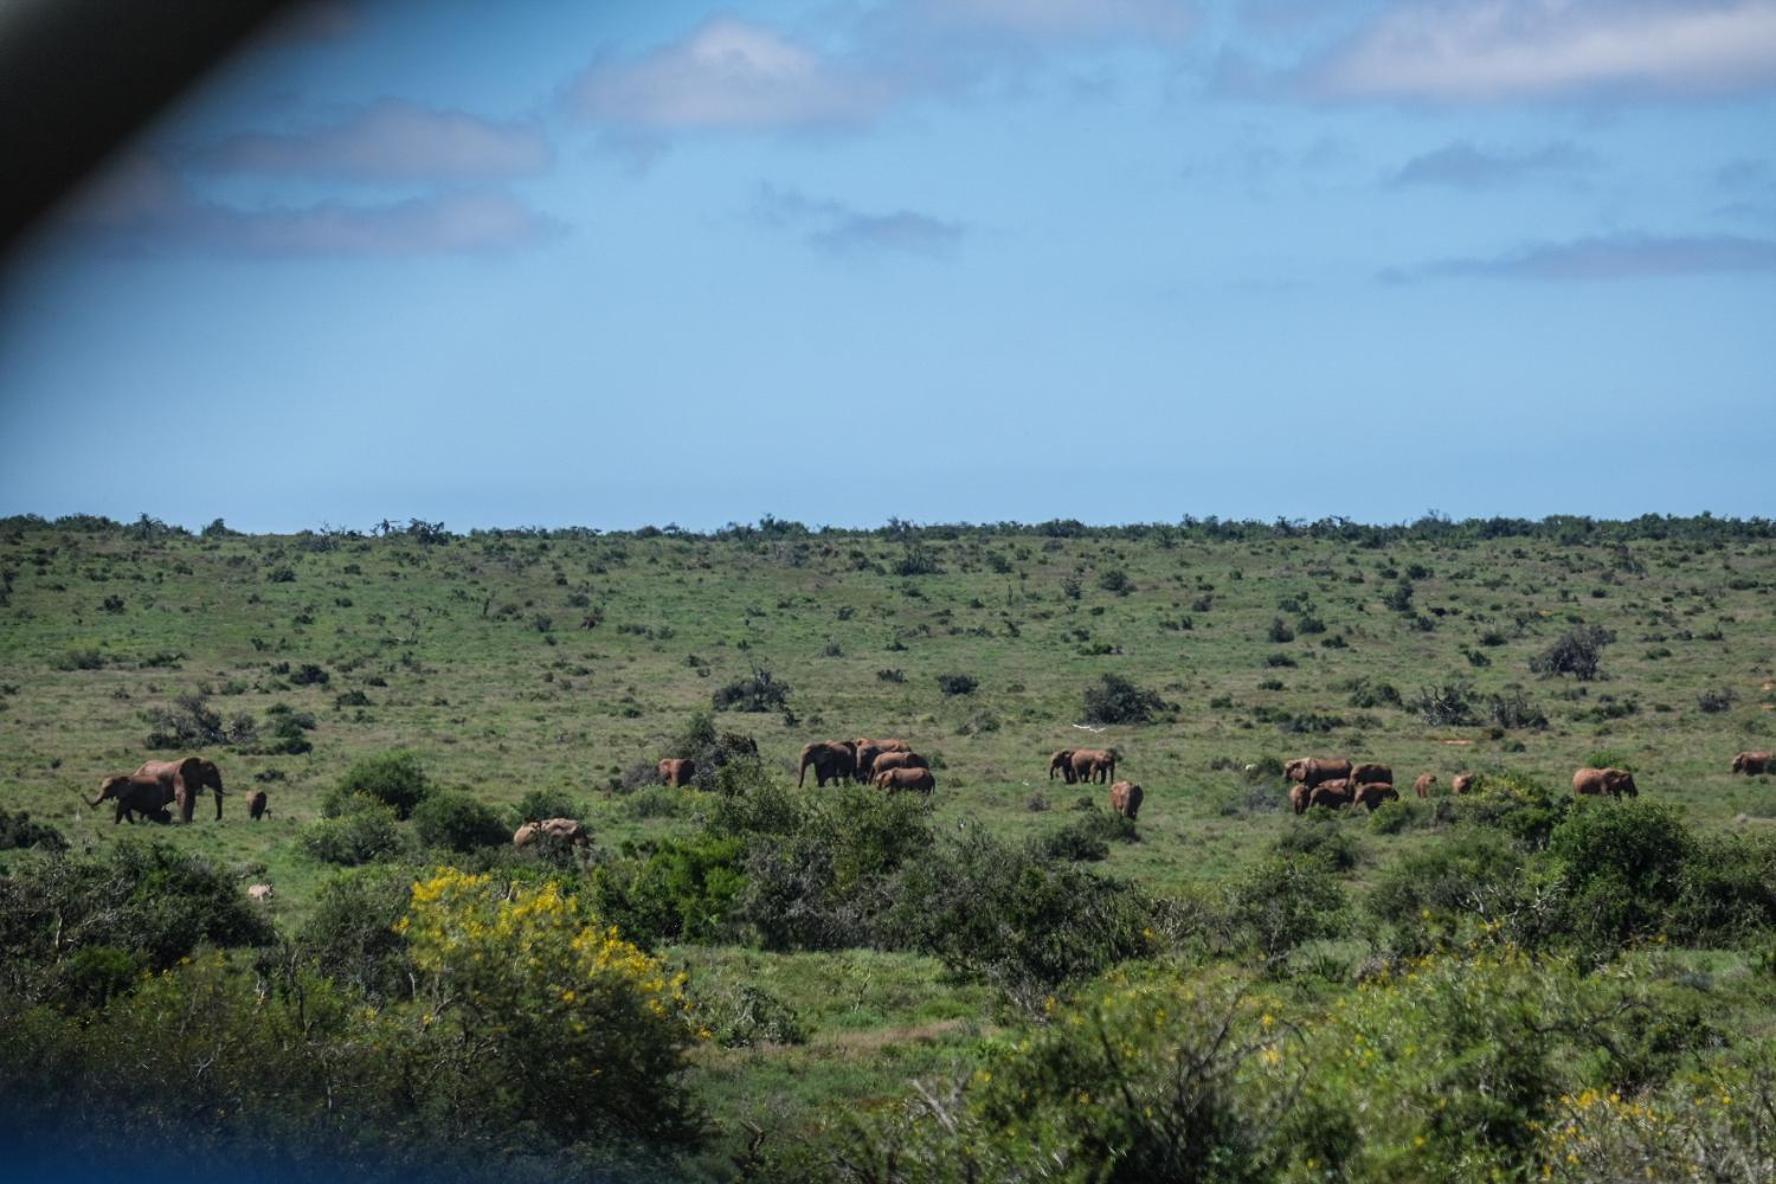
x=1334, y=783
x=151, y=789
x=887, y=764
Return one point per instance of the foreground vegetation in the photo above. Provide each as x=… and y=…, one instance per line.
x=750, y=981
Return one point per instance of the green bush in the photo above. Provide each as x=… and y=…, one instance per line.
x=395, y=779
x=150, y=901
x=1013, y=918
x=1473, y=880
x=679, y=892
x=1622, y=866
x=1113, y=699
x=17, y=832
x=744, y=1016
x=1319, y=838
x=1087, y=837
x=363, y=833
x=457, y=822
x=1281, y=903
x=350, y=936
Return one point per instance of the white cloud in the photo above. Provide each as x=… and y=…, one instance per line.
x=1510, y=49
x=1153, y=20
x=390, y=141
x=727, y=75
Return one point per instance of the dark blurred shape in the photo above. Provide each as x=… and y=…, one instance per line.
x=77, y=77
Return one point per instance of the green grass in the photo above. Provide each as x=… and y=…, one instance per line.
x=448, y=644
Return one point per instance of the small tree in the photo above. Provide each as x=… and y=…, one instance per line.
x=1577, y=653
x=395, y=779
x=1113, y=699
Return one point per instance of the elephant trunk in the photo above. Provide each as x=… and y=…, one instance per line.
x=802, y=773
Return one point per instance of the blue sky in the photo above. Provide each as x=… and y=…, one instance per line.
x=1117, y=260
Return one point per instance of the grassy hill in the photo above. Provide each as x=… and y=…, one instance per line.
x=567, y=661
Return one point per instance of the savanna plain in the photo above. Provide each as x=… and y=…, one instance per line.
x=757, y=977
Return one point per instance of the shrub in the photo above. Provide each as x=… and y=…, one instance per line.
x=957, y=684
x=358, y=831
x=615, y=1022
x=150, y=901
x=350, y=935
x=1369, y=695
x=1113, y=699
x=1446, y=705
x=1622, y=866
x=1117, y=581
x=1015, y=919
x=758, y=692
x=891, y=675
x=740, y=1015
x=1399, y=597
x=1318, y=838
x=79, y=659
x=190, y=723
x=1713, y=702
x=457, y=822
x=1279, y=631
x=394, y=779
x=720, y=756
x=1281, y=903
x=1513, y=709
x=680, y=892
x=1577, y=653
x=17, y=831
x=1078, y=841
x=1431, y=899
x=310, y=675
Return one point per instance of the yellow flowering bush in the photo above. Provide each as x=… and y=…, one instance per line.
x=586, y=1030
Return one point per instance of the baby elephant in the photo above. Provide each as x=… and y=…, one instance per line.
x=1125, y=799
x=1425, y=784
x=1374, y=794
x=1590, y=782
x=676, y=771
x=895, y=780
x=256, y=807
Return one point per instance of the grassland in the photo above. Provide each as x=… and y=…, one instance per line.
x=519, y=661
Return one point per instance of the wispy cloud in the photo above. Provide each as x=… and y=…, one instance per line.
x=389, y=141
x=1500, y=50
x=142, y=207
x=1609, y=257
x=1462, y=165
x=839, y=229
x=735, y=75
x=1164, y=21
x=728, y=74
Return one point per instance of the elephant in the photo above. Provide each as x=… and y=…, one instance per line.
x=1311, y=770
x=1063, y=761
x=1588, y=782
x=677, y=771
x=135, y=794
x=1461, y=783
x=1298, y=797
x=568, y=831
x=1093, y=764
x=1371, y=775
x=1333, y=794
x=256, y=805
x=898, y=760
x=1373, y=793
x=867, y=752
x=895, y=780
x=260, y=893
x=1125, y=799
x=833, y=760
x=1425, y=784
x=1753, y=763
x=190, y=777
